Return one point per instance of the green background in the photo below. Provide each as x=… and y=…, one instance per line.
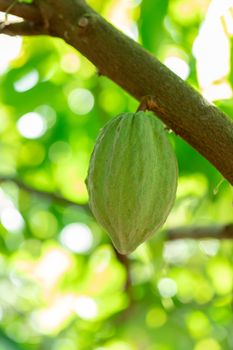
x=62, y=286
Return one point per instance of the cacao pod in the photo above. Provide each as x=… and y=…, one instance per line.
x=132, y=179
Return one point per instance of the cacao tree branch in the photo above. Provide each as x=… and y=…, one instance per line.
x=201, y=232
x=220, y=232
x=125, y=62
x=44, y=194
x=22, y=28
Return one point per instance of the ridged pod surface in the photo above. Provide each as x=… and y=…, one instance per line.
x=132, y=179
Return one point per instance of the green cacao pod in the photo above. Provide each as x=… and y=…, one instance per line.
x=132, y=179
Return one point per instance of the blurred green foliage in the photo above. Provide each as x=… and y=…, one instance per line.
x=62, y=286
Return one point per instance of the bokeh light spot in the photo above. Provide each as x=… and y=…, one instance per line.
x=176, y=252
x=43, y=224
x=209, y=343
x=31, y=125
x=48, y=113
x=27, y=82
x=12, y=47
x=12, y=220
x=198, y=324
x=156, y=317
x=86, y=307
x=178, y=66
x=51, y=319
x=220, y=272
x=70, y=63
x=58, y=261
x=209, y=247
x=32, y=153
x=167, y=287
x=77, y=237
x=81, y=101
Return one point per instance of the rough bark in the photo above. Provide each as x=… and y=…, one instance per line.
x=121, y=59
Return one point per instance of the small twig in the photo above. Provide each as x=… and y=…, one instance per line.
x=125, y=261
x=24, y=28
x=3, y=24
x=148, y=102
x=128, y=288
x=27, y=11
